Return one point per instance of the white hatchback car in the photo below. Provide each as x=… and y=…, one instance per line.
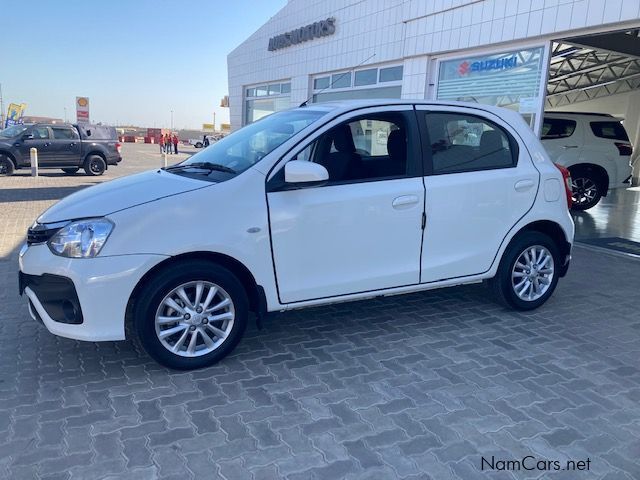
x=594, y=147
x=314, y=205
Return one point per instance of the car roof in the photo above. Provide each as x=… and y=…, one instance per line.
x=342, y=106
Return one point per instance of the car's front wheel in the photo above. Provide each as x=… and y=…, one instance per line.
x=192, y=315
x=198, y=145
x=528, y=272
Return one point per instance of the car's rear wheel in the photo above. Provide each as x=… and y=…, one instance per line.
x=587, y=188
x=6, y=166
x=71, y=170
x=95, y=165
x=528, y=272
x=198, y=145
x=191, y=316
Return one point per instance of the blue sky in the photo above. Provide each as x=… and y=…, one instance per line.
x=136, y=60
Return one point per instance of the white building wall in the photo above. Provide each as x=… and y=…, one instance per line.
x=407, y=31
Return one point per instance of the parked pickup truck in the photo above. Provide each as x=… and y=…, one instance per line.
x=65, y=146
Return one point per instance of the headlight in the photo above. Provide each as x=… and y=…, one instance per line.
x=82, y=238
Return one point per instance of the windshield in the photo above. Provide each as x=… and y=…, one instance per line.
x=13, y=131
x=247, y=146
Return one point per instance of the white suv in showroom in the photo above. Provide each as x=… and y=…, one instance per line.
x=594, y=147
x=319, y=204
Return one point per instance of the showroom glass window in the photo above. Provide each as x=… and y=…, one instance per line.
x=265, y=99
x=360, y=83
x=464, y=143
x=509, y=79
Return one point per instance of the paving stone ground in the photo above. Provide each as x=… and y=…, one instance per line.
x=415, y=386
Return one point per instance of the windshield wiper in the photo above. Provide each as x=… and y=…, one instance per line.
x=204, y=166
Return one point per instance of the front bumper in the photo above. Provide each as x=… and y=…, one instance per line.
x=102, y=285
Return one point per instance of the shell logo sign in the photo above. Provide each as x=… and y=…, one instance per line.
x=82, y=109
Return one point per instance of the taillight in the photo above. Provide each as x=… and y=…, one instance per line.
x=566, y=176
x=118, y=146
x=624, y=148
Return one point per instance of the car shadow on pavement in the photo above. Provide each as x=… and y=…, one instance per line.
x=8, y=195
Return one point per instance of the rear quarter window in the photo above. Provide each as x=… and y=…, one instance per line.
x=612, y=130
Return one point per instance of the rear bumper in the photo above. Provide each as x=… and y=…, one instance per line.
x=114, y=160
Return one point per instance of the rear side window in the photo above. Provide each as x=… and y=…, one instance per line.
x=64, y=133
x=557, y=128
x=465, y=143
x=612, y=130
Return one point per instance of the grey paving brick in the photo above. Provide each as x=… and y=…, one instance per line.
x=136, y=453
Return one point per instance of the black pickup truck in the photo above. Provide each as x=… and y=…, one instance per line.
x=65, y=146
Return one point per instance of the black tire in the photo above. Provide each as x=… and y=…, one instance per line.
x=95, y=165
x=71, y=170
x=6, y=166
x=588, y=188
x=198, y=145
x=502, y=284
x=151, y=299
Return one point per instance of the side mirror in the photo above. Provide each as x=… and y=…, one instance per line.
x=28, y=136
x=300, y=171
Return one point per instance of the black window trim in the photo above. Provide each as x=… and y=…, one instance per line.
x=426, y=141
x=415, y=168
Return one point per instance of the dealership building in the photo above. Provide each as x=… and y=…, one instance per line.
x=526, y=55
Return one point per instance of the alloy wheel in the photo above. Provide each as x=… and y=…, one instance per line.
x=194, y=318
x=533, y=272
x=584, y=190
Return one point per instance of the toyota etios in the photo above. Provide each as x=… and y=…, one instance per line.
x=309, y=206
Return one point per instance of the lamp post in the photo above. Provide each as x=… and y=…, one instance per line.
x=172, y=120
x=65, y=114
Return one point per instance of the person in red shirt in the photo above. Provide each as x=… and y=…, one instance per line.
x=175, y=143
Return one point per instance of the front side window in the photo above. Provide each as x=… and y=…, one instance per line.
x=244, y=148
x=463, y=143
x=40, y=133
x=368, y=148
x=64, y=133
x=554, y=128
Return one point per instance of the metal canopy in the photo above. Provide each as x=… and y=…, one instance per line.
x=585, y=68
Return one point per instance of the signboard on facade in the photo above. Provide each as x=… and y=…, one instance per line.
x=208, y=127
x=14, y=114
x=503, y=79
x=319, y=29
x=82, y=109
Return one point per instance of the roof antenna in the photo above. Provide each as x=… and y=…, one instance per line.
x=304, y=104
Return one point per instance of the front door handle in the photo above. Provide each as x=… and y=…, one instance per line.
x=405, y=201
x=524, y=185
x=570, y=146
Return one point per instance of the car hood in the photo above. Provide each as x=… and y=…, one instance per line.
x=120, y=194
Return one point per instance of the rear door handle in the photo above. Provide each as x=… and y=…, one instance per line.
x=524, y=185
x=570, y=146
x=405, y=201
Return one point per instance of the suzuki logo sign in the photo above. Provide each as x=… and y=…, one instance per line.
x=466, y=68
